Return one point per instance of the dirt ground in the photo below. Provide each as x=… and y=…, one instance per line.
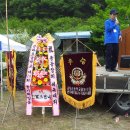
x=93, y=118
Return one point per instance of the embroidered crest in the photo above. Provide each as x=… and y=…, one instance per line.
x=77, y=76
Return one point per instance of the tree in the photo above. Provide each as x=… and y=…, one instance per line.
x=49, y=8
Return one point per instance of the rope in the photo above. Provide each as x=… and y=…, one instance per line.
x=83, y=45
x=86, y=46
x=79, y=42
x=68, y=48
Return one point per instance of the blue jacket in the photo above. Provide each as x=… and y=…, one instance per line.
x=112, y=32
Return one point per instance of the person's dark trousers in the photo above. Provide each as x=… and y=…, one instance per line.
x=112, y=50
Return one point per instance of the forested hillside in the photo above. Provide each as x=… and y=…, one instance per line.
x=50, y=8
x=42, y=16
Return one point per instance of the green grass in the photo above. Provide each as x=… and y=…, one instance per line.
x=89, y=119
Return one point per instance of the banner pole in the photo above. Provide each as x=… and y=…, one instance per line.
x=11, y=94
x=76, y=117
x=77, y=44
x=77, y=50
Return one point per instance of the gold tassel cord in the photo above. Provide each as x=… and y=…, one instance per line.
x=92, y=51
x=68, y=47
x=97, y=61
x=15, y=73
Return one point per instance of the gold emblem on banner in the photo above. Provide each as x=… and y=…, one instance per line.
x=83, y=61
x=77, y=76
x=70, y=61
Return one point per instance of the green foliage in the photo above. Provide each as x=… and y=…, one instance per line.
x=49, y=8
x=21, y=36
x=36, y=26
x=2, y=27
x=44, y=16
x=64, y=24
x=42, y=26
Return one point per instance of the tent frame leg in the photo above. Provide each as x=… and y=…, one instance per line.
x=10, y=97
x=1, y=75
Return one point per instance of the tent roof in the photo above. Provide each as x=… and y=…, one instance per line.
x=3, y=65
x=73, y=35
x=12, y=44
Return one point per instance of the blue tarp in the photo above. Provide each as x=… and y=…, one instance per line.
x=73, y=35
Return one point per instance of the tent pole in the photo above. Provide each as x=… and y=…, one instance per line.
x=7, y=32
x=6, y=108
x=1, y=75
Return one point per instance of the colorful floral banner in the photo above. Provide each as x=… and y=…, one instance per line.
x=38, y=84
x=29, y=79
x=78, y=72
x=53, y=79
x=11, y=71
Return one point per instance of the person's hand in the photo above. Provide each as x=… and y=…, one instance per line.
x=117, y=22
x=120, y=38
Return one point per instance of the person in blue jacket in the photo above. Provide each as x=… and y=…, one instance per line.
x=111, y=40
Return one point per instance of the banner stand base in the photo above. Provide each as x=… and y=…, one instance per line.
x=43, y=110
x=78, y=116
x=43, y=113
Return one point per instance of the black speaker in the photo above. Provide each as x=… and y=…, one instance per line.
x=125, y=61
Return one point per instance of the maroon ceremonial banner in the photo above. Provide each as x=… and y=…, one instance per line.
x=78, y=73
x=11, y=71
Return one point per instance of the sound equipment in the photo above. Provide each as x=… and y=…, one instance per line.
x=125, y=61
x=124, y=50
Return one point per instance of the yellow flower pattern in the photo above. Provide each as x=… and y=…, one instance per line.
x=41, y=65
